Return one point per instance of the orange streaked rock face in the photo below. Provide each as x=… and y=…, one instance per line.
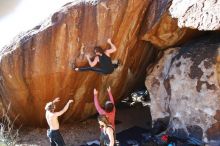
x=36, y=67
x=166, y=33
x=159, y=28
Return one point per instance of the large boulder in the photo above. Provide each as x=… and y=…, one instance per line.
x=184, y=85
x=35, y=68
x=161, y=29
x=197, y=14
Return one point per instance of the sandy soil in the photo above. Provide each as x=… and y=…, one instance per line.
x=80, y=133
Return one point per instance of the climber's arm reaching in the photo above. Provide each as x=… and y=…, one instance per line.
x=96, y=102
x=112, y=49
x=110, y=95
x=94, y=62
x=64, y=109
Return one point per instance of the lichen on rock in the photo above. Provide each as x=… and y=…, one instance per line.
x=197, y=14
x=188, y=86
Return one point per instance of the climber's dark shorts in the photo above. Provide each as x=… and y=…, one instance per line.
x=55, y=137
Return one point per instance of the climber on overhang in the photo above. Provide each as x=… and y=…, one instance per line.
x=103, y=58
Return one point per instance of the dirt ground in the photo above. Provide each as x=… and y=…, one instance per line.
x=80, y=133
x=73, y=134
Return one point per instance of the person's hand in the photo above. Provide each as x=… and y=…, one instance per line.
x=82, y=46
x=95, y=91
x=109, y=89
x=87, y=56
x=82, y=49
x=56, y=99
x=109, y=41
x=70, y=101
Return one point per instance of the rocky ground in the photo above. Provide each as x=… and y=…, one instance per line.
x=80, y=133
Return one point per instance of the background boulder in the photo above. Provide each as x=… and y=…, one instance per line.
x=184, y=85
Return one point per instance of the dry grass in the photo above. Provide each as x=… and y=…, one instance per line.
x=8, y=133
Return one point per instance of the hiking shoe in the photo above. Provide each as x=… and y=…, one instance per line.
x=116, y=64
x=73, y=66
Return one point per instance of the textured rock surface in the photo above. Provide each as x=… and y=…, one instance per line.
x=185, y=84
x=161, y=29
x=197, y=14
x=35, y=68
